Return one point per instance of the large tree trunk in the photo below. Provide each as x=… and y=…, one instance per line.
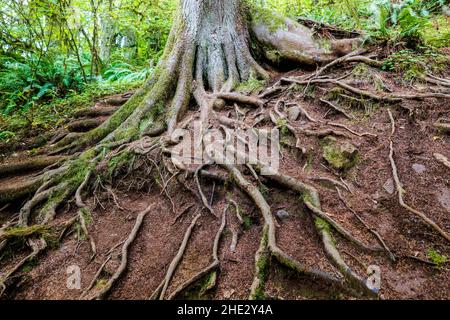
x=208, y=49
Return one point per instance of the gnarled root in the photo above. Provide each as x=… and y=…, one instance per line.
x=442, y=159
x=160, y=292
x=401, y=191
x=124, y=257
x=210, y=268
x=37, y=246
x=269, y=223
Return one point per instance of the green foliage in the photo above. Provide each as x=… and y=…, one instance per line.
x=29, y=82
x=407, y=21
x=251, y=86
x=6, y=135
x=438, y=259
x=411, y=64
x=123, y=72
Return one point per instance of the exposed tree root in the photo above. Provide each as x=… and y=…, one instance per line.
x=373, y=231
x=210, y=268
x=269, y=223
x=363, y=134
x=236, y=97
x=124, y=257
x=338, y=109
x=443, y=125
x=96, y=276
x=392, y=98
x=235, y=233
x=340, y=229
x=261, y=268
x=199, y=187
x=207, y=64
x=401, y=191
x=37, y=246
x=35, y=163
x=331, y=181
x=95, y=112
x=83, y=210
x=442, y=159
x=160, y=292
x=10, y=193
x=83, y=125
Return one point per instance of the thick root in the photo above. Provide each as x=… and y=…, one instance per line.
x=37, y=246
x=401, y=192
x=210, y=268
x=124, y=257
x=35, y=163
x=160, y=292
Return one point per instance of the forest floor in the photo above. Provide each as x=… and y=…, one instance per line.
x=368, y=188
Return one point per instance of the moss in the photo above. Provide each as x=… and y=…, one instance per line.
x=86, y=215
x=361, y=70
x=438, y=259
x=208, y=283
x=283, y=125
x=341, y=156
x=309, y=161
x=322, y=224
x=259, y=295
x=251, y=86
x=263, y=189
x=411, y=65
x=267, y=17
x=199, y=290
x=262, y=267
x=274, y=56
x=117, y=162
x=263, y=262
x=24, y=232
x=247, y=220
x=29, y=265
x=101, y=283
x=115, y=120
x=307, y=197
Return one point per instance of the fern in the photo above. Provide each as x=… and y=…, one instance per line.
x=26, y=83
x=122, y=72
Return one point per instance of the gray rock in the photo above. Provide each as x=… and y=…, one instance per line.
x=282, y=214
x=419, y=168
x=388, y=186
x=443, y=197
x=340, y=155
x=293, y=113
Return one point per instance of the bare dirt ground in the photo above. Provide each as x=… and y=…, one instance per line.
x=370, y=193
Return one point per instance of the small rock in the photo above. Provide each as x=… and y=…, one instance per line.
x=228, y=293
x=293, y=113
x=376, y=196
x=340, y=155
x=419, y=168
x=219, y=104
x=444, y=198
x=282, y=214
x=388, y=186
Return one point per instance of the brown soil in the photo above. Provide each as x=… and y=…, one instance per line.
x=415, y=142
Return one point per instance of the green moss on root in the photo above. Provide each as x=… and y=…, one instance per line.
x=25, y=232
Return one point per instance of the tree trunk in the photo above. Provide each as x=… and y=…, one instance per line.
x=208, y=49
